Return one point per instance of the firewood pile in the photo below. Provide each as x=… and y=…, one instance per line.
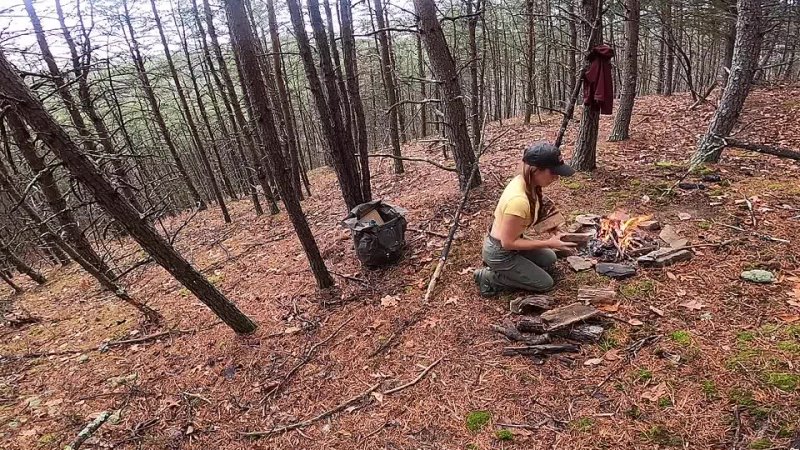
x=543, y=330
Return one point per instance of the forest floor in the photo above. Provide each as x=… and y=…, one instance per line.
x=724, y=372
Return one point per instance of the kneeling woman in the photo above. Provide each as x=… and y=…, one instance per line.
x=515, y=262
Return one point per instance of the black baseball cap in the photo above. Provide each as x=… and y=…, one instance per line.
x=545, y=155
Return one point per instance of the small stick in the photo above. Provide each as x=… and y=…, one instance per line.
x=432, y=233
x=750, y=208
x=762, y=236
x=306, y=359
x=415, y=380
x=87, y=432
x=144, y=338
x=406, y=158
x=738, y=429
x=348, y=277
x=309, y=421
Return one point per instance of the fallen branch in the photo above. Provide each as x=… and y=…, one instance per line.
x=307, y=422
x=781, y=152
x=755, y=233
x=409, y=158
x=702, y=98
x=142, y=339
x=415, y=380
x=87, y=432
x=542, y=349
x=432, y=233
x=348, y=277
x=43, y=355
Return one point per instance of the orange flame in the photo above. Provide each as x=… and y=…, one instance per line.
x=618, y=228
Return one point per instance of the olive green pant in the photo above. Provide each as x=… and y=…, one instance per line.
x=514, y=270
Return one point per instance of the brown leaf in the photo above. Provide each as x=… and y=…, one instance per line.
x=593, y=362
x=612, y=355
x=684, y=216
x=655, y=392
x=389, y=301
x=635, y=322
x=672, y=276
x=657, y=311
x=789, y=318
x=693, y=305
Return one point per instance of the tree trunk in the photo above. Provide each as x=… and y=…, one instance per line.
x=56, y=200
x=156, y=111
x=622, y=120
x=472, y=24
x=339, y=139
x=198, y=142
x=31, y=109
x=244, y=45
x=444, y=68
x=20, y=265
x=669, y=57
x=354, y=90
x=584, y=157
x=531, y=66
x=388, y=83
x=283, y=95
x=743, y=68
x=423, y=108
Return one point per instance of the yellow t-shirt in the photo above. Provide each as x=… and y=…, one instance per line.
x=514, y=201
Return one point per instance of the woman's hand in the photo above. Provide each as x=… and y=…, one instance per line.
x=556, y=243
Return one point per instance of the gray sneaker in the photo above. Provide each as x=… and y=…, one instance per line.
x=483, y=280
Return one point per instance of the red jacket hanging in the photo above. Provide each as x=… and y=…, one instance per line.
x=598, y=84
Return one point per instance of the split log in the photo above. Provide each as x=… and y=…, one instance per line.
x=531, y=325
x=550, y=223
x=597, y=296
x=562, y=317
x=543, y=349
x=527, y=304
x=585, y=333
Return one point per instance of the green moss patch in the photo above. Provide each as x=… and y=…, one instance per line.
x=476, y=420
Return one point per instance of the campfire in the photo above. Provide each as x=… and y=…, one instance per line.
x=618, y=238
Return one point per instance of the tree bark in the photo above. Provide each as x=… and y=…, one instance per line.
x=388, y=83
x=156, y=111
x=472, y=26
x=353, y=89
x=669, y=56
x=339, y=139
x=531, y=61
x=622, y=120
x=745, y=61
x=444, y=68
x=187, y=111
x=423, y=109
x=82, y=168
x=584, y=157
x=244, y=46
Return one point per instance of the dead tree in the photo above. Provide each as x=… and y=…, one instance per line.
x=155, y=110
x=85, y=172
x=198, y=142
x=246, y=50
x=444, y=68
x=474, y=16
x=622, y=121
x=388, y=82
x=745, y=61
x=339, y=139
x=584, y=157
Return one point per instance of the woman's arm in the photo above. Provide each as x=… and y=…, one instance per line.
x=510, y=235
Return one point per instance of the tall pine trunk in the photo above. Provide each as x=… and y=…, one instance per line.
x=584, y=157
x=745, y=63
x=245, y=47
x=622, y=120
x=444, y=68
x=155, y=110
x=388, y=83
x=187, y=111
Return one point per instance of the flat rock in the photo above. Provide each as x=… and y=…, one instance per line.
x=567, y=315
x=671, y=237
x=614, y=270
x=758, y=276
x=578, y=238
x=650, y=225
x=530, y=303
x=664, y=257
x=588, y=219
x=579, y=263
